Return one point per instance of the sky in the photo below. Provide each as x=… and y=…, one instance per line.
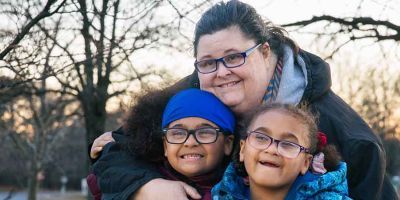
x=286, y=11
x=357, y=56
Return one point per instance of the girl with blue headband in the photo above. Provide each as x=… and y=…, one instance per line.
x=195, y=139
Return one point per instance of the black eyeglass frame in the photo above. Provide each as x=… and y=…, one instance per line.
x=244, y=54
x=193, y=132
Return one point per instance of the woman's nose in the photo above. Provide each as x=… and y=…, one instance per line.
x=222, y=70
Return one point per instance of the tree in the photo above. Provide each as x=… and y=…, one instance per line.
x=8, y=8
x=33, y=121
x=375, y=94
x=89, y=46
x=372, y=90
x=82, y=53
x=108, y=33
x=32, y=115
x=350, y=28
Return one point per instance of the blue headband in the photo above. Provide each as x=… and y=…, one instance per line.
x=198, y=103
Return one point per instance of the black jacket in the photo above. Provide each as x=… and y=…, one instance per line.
x=121, y=174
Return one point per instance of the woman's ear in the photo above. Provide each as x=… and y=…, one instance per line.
x=228, y=144
x=242, y=149
x=265, y=49
x=306, y=164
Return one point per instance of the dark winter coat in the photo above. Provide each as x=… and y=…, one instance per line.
x=120, y=174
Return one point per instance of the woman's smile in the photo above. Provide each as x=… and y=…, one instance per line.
x=229, y=84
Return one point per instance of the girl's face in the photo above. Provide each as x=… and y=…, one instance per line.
x=191, y=158
x=267, y=168
x=241, y=88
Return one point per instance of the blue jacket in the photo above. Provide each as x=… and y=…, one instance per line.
x=332, y=185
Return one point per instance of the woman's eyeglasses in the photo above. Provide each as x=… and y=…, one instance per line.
x=229, y=61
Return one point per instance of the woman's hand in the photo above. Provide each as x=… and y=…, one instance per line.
x=99, y=143
x=166, y=190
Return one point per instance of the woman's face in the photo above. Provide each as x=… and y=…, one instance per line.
x=266, y=168
x=191, y=158
x=241, y=88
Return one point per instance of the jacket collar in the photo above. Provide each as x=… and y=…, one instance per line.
x=318, y=76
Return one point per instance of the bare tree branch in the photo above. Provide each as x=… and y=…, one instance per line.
x=25, y=30
x=355, y=23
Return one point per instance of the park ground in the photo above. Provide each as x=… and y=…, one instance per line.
x=43, y=195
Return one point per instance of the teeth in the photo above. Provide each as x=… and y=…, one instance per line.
x=192, y=156
x=229, y=84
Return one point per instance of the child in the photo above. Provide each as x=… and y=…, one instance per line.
x=196, y=138
x=276, y=151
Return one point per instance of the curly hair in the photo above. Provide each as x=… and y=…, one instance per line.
x=143, y=125
x=300, y=113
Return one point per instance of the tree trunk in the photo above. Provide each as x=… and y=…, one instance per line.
x=95, y=118
x=33, y=182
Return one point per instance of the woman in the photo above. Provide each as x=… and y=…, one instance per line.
x=246, y=63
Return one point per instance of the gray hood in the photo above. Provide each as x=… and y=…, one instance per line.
x=294, y=79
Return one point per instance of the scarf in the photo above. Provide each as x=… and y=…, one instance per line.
x=289, y=80
x=273, y=86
